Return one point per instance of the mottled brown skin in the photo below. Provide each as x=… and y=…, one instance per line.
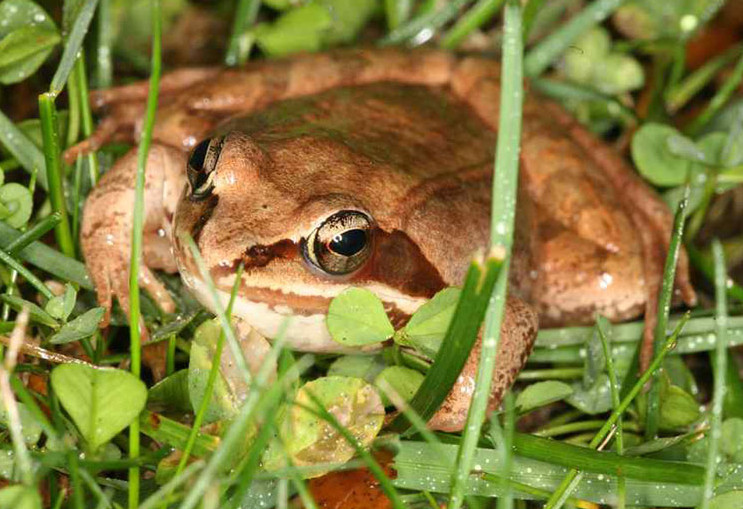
x=406, y=137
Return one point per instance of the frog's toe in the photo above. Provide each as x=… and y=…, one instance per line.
x=156, y=290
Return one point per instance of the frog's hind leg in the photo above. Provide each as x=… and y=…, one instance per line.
x=574, y=278
x=124, y=107
x=559, y=154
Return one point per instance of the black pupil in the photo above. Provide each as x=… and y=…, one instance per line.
x=196, y=161
x=349, y=242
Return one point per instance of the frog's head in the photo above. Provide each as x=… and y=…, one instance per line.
x=306, y=217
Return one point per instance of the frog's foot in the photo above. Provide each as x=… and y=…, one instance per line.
x=107, y=226
x=125, y=107
x=518, y=333
x=104, y=133
x=171, y=83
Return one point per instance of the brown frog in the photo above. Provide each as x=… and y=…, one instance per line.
x=371, y=168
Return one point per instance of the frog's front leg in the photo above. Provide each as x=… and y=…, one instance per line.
x=518, y=333
x=107, y=227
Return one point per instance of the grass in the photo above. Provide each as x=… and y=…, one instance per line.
x=135, y=339
x=489, y=460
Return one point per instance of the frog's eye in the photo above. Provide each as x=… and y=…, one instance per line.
x=341, y=244
x=201, y=164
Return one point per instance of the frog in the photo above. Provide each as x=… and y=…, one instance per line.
x=370, y=168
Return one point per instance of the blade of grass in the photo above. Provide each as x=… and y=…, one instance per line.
x=22, y=458
x=664, y=309
x=73, y=112
x=22, y=149
x=705, y=265
x=78, y=492
x=396, y=12
x=26, y=238
x=246, y=474
x=93, y=486
x=137, y=234
x=23, y=394
x=569, y=483
x=72, y=46
x=104, y=48
x=424, y=24
x=46, y=258
x=27, y=274
x=81, y=79
x=719, y=100
x=505, y=501
x=479, y=14
x=679, y=95
x=550, y=374
x=213, y=372
x=236, y=432
x=455, y=348
x=240, y=41
x=503, y=213
x=531, y=9
x=563, y=90
x=549, y=49
x=234, y=345
x=156, y=498
x=48, y=115
x=604, y=330
x=421, y=466
x=384, y=481
x=718, y=398
x=33, y=234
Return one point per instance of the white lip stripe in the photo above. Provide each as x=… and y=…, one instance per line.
x=387, y=294
x=303, y=333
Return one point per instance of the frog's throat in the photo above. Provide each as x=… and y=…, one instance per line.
x=302, y=332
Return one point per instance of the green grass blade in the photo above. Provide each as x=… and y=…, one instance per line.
x=421, y=466
x=137, y=234
x=424, y=24
x=664, y=309
x=54, y=172
x=603, y=327
x=505, y=184
x=455, y=348
x=213, y=373
x=22, y=149
x=384, y=481
x=480, y=13
x=239, y=45
x=235, y=435
x=46, y=258
x=27, y=274
x=104, y=48
x=683, y=92
x=549, y=49
x=718, y=397
x=570, y=482
x=720, y=99
x=72, y=46
x=81, y=78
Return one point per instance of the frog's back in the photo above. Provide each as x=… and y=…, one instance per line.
x=417, y=131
